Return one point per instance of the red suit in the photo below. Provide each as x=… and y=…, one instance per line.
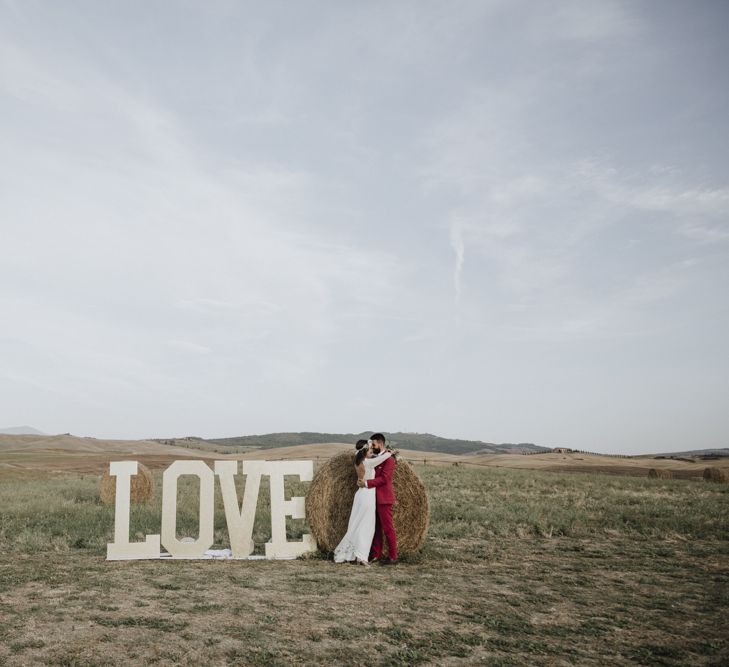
x=385, y=500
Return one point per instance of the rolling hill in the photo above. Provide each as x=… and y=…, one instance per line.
x=28, y=454
x=20, y=430
x=697, y=452
x=70, y=453
x=423, y=442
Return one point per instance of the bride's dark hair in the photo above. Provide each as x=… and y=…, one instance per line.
x=361, y=448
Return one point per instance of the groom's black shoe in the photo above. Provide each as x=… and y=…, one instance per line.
x=389, y=561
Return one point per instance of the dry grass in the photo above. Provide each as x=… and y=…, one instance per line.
x=141, y=486
x=716, y=475
x=22, y=454
x=76, y=444
x=637, y=466
x=89, y=455
x=519, y=568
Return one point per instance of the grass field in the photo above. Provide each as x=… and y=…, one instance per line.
x=520, y=568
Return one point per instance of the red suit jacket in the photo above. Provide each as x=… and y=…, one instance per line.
x=383, y=482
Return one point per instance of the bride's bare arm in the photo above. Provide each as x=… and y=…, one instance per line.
x=360, y=471
x=378, y=459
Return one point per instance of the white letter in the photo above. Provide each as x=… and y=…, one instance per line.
x=204, y=541
x=121, y=548
x=240, y=522
x=278, y=547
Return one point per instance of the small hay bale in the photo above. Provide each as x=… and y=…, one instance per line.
x=716, y=475
x=329, y=503
x=660, y=473
x=141, y=486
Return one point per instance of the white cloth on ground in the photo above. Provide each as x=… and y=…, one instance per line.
x=218, y=553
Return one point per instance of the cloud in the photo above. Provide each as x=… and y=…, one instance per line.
x=585, y=22
x=459, y=249
x=225, y=230
x=544, y=230
x=189, y=346
x=143, y=247
x=699, y=213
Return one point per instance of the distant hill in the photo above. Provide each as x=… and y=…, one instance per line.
x=696, y=452
x=21, y=430
x=41, y=454
x=424, y=442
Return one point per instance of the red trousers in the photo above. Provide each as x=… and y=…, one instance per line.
x=383, y=524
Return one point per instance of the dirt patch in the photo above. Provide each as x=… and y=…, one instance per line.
x=529, y=601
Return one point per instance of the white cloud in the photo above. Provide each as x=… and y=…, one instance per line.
x=189, y=346
x=536, y=224
x=236, y=227
x=459, y=249
x=142, y=248
x=591, y=22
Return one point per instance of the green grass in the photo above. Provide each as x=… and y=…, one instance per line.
x=472, y=503
x=519, y=568
x=61, y=513
x=477, y=504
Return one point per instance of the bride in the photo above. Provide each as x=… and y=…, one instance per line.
x=355, y=545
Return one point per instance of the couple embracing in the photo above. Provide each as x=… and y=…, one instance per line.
x=371, y=514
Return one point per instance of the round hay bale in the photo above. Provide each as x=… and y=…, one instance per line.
x=660, y=473
x=141, y=486
x=329, y=503
x=716, y=475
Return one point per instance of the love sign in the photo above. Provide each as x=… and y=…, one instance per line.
x=238, y=516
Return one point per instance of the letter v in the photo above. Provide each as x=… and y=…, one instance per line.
x=240, y=522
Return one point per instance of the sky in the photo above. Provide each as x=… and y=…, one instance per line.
x=496, y=220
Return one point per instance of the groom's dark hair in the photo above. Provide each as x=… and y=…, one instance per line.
x=379, y=437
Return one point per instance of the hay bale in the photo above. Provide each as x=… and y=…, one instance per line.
x=329, y=502
x=716, y=475
x=660, y=473
x=141, y=486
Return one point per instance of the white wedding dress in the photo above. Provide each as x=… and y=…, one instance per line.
x=355, y=545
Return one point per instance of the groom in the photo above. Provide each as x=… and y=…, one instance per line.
x=385, y=495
